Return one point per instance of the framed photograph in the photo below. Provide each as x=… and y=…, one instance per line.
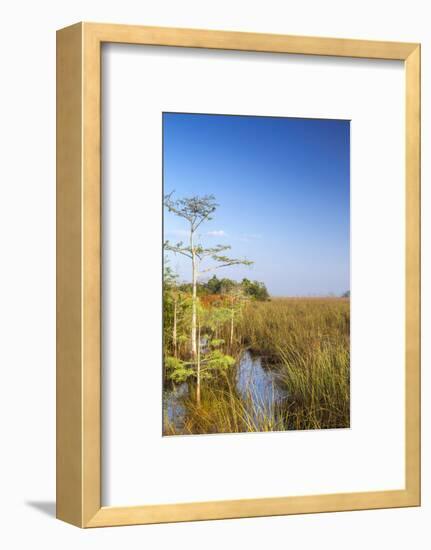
x=238, y=275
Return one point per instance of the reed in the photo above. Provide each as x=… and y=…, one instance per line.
x=307, y=342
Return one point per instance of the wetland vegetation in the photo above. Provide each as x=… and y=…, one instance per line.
x=236, y=359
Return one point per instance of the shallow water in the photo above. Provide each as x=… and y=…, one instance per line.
x=260, y=383
x=173, y=406
x=253, y=380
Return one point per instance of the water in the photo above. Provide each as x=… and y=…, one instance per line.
x=258, y=382
x=254, y=382
x=173, y=405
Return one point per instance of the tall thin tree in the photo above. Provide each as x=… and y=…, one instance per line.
x=196, y=210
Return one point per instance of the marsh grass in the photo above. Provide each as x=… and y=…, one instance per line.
x=222, y=410
x=307, y=342
x=309, y=339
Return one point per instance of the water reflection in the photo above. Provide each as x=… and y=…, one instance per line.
x=173, y=406
x=259, y=383
x=255, y=382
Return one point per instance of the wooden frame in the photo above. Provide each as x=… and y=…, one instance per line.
x=78, y=275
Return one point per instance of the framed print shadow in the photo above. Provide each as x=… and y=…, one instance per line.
x=238, y=275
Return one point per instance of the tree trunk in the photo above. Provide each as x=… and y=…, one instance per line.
x=198, y=368
x=174, y=331
x=194, y=298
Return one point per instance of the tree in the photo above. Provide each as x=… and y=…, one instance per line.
x=170, y=305
x=214, y=361
x=255, y=289
x=227, y=286
x=176, y=306
x=196, y=210
x=214, y=285
x=237, y=299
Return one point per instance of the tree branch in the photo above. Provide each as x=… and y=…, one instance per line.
x=204, y=252
x=178, y=249
x=226, y=263
x=206, y=217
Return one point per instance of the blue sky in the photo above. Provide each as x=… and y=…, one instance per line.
x=283, y=189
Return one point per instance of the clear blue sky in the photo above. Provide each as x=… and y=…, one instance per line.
x=283, y=189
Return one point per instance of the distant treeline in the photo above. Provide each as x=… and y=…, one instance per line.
x=253, y=289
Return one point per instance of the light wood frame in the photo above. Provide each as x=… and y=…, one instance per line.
x=79, y=275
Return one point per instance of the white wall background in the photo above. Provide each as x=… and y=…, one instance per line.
x=27, y=304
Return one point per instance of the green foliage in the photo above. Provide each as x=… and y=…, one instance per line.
x=216, y=342
x=214, y=317
x=177, y=370
x=219, y=361
x=169, y=277
x=213, y=285
x=176, y=303
x=215, y=362
x=255, y=289
x=227, y=285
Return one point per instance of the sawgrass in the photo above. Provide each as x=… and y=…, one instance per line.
x=307, y=342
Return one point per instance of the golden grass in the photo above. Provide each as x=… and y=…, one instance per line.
x=307, y=340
